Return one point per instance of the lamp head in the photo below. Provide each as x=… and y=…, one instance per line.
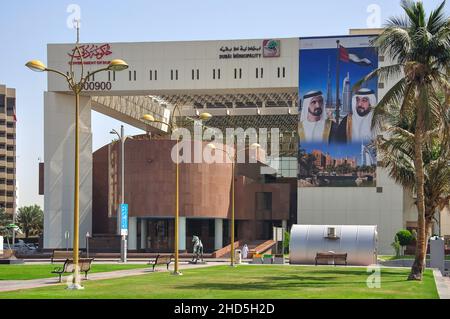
x=205, y=116
x=36, y=65
x=255, y=146
x=148, y=117
x=117, y=65
x=211, y=146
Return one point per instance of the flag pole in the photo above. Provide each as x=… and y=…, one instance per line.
x=338, y=104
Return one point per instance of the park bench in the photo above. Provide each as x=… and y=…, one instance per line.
x=7, y=254
x=68, y=267
x=62, y=255
x=331, y=258
x=161, y=260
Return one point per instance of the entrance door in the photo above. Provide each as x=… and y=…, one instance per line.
x=160, y=235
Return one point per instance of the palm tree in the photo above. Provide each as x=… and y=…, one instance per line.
x=420, y=45
x=397, y=154
x=31, y=220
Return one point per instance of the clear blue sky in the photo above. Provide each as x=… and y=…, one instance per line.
x=27, y=26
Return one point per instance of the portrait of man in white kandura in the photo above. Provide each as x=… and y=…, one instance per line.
x=314, y=125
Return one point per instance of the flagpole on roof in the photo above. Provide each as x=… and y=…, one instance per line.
x=337, y=83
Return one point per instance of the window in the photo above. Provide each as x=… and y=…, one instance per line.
x=172, y=75
x=216, y=73
x=2, y=169
x=10, y=159
x=259, y=73
x=153, y=75
x=2, y=146
x=11, y=136
x=10, y=170
x=284, y=72
x=2, y=157
x=195, y=74
x=10, y=124
x=9, y=147
x=263, y=201
x=10, y=182
x=10, y=194
x=238, y=72
x=10, y=105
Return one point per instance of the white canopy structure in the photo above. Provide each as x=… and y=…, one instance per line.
x=360, y=243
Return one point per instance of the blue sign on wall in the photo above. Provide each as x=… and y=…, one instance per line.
x=123, y=219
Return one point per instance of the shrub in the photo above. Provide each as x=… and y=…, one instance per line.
x=404, y=237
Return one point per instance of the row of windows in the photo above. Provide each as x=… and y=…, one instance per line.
x=9, y=193
x=8, y=205
x=195, y=74
x=3, y=169
x=8, y=136
x=4, y=181
x=9, y=159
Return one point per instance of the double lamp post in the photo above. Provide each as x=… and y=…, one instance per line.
x=76, y=86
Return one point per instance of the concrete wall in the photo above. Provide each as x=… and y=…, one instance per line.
x=59, y=146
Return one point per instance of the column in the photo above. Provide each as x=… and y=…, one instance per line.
x=218, y=234
x=143, y=233
x=59, y=163
x=182, y=233
x=284, y=225
x=132, y=233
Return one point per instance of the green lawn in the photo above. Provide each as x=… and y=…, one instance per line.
x=244, y=282
x=393, y=257
x=30, y=271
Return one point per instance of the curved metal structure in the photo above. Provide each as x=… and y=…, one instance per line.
x=359, y=242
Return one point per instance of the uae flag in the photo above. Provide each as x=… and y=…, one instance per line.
x=345, y=56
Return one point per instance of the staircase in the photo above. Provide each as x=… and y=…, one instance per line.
x=254, y=247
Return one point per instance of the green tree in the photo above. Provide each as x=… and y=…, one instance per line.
x=5, y=220
x=397, y=155
x=31, y=220
x=420, y=46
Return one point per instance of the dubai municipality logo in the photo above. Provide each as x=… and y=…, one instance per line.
x=271, y=48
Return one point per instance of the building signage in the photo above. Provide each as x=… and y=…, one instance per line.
x=268, y=49
x=271, y=48
x=91, y=54
x=123, y=219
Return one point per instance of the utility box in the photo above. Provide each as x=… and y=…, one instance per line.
x=437, y=253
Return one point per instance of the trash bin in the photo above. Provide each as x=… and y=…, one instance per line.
x=238, y=256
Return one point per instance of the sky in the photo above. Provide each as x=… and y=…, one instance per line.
x=27, y=26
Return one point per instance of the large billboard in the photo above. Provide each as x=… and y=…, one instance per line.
x=336, y=142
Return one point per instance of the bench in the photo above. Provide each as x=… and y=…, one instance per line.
x=326, y=258
x=161, y=260
x=62, y=255
x=7, y=254
x=68, y=267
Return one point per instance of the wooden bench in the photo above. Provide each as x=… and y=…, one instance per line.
x=62, y=255
x=68, y=267
x=326, y=258
x=161, y=260
x=7, y=254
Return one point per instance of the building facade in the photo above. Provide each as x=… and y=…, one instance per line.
x=8, y=149
x=242, y=83
x=205, y=198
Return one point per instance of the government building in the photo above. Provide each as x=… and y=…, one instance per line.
x=248, y=84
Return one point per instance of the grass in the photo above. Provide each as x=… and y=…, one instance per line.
x=393, y=257
x=247, y=282
x=30, y=271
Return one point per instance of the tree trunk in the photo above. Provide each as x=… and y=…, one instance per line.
x=419, y=262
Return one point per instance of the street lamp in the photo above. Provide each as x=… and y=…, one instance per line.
x=122, y=138
x=233, y=168
x=77, y=88
x=151, y=118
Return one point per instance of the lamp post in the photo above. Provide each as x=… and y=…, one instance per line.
x=122, y=138
x=233, y=169
x=77, y=87
x=151, y=118
x=87, y=244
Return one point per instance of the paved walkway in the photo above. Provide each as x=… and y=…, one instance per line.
x=11, y=285
x=442, y=284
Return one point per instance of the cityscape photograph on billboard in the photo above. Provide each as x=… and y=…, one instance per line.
x=336, y=140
